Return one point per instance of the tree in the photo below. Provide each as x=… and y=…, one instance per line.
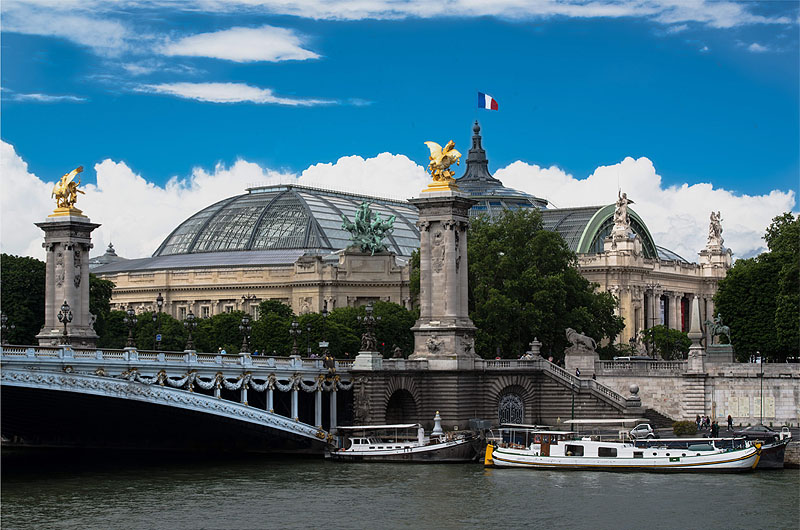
x=760, y=297
x=525, y=284
x=22, y=282
x=669, y=343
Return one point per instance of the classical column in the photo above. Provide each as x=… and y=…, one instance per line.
x=424, y=271
x=295, y=413
x=318, y=406
x=49, y=287
x=333, y=408
x=463, y=265
x=451, y=274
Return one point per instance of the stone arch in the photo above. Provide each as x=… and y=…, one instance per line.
x=401, y=400
x=512, y=391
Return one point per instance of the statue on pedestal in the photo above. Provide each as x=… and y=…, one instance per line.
x=715, y=230
x=66, y=190
x=368, y=229
x=440, y=161
x=622, y=225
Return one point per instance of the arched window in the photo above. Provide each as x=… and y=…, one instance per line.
x=510, y=408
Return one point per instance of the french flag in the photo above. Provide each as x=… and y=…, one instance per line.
x=485, y=101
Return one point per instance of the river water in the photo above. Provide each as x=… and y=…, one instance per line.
x=131, y=491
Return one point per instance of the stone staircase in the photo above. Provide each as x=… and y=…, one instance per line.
x=694, y=396
x=658, y=420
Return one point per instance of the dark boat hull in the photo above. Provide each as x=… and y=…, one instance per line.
x=772, y=455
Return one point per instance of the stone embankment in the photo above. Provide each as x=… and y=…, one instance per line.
x=792, y=458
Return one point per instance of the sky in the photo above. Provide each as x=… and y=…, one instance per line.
x=686, y=105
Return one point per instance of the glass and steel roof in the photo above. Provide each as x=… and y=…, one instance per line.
x=284, y=217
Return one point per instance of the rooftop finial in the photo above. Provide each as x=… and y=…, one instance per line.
x=476, y=128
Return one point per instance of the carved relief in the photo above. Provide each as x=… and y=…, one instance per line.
x=361, y=401
x=437, y=251
x=59, y=269
x=434, y=345
x=77, y=264
x=305, y=305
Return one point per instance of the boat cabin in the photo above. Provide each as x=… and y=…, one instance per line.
x=520, y=436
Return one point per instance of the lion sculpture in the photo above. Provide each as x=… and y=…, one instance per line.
x=579, y=340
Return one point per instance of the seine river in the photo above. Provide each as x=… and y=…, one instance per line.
x=126, y=491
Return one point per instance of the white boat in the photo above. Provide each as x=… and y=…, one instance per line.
x=526, y=448
x=402, y=443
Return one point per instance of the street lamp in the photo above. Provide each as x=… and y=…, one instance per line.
x=761, y=376
x=157, y=320
x=65, y=316
x=295, y=331
x=368, y=340
x=5, y=326
x=308, y=340
x=130, y=320
x=190, y=323
x=245, y=329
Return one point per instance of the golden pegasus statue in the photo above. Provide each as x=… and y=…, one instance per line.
x=442, y=159
x=66, y=189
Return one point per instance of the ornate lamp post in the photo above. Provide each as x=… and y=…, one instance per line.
x=65, y=317
x=190, y=324
x=245, y=329
x=368, y=340
x=295, y=331
x=130, y=320
x=5, y=326
x=308, y=340
x=157, y=320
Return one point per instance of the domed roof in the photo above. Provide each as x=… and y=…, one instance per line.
x=284, y=217
x=493, y=198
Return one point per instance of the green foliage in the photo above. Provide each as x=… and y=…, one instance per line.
x=22, y=282
x=687, y=428
x=669, y=343
x=524, y=284
x=760, y=297
x=100, y=292
x=413, y=283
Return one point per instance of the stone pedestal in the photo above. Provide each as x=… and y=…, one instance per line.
x=720, y=354
x=368, y=360
x=67, y=240
x=582, y=359
x=444, y=331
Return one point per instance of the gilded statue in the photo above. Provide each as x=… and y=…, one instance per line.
x=441, y=160
x=66, y=189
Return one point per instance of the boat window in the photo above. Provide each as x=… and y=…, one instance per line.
x=638, y=454
x=573, y=450
x=537, y=438
x=607, y=452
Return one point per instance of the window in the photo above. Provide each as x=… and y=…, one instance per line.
x=182, y=313
x=573, y=450
x=638, y=454
x=228, y=308
x=205, y=311
x=607, y=452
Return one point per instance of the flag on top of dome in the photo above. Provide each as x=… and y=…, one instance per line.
x=485, y=101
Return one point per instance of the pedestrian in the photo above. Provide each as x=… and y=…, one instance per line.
x=255, y=352
x=222, y=351
x=714, y=429
x=697, y=421
x=730, y=423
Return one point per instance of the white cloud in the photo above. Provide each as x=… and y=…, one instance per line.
x=266, y=43
x=677, y=216
x=137, y=215
x=757, y=48
x=677, y=29
x=44, y=98
x=705, y=49
x=228, y=93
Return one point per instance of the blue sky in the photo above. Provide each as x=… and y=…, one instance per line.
x=706, y=91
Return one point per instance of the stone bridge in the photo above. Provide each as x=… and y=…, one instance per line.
x=169, y=400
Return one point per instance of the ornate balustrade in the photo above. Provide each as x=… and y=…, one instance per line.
x=640, y=367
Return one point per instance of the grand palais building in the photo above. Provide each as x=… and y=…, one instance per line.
x=286, y=242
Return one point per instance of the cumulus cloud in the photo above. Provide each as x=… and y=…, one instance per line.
x=137, y=215
x=266, y=43
x=757, y=48
x=677, y=216
x=228, y=93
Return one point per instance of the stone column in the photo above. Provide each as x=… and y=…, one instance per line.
x=67, y=240
x=444, y=332
x=318, y=407
x=333, y=409
x=270, y=398
x=295, y=408
x=697, y=353
x=243, y=397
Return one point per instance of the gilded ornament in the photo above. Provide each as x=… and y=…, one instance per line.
x=66, y=193
x=440, y=161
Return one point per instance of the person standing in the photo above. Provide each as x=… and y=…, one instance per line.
x=730, y=423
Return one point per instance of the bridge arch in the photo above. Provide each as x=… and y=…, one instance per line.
x=401, y=400
x=512, y=399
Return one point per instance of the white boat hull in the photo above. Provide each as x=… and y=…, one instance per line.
x=738, y=460
x=451, y=451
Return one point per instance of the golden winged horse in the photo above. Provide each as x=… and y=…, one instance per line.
x=441, y=159
x=66, y=190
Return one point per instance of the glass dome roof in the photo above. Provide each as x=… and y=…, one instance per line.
x=285, y=217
